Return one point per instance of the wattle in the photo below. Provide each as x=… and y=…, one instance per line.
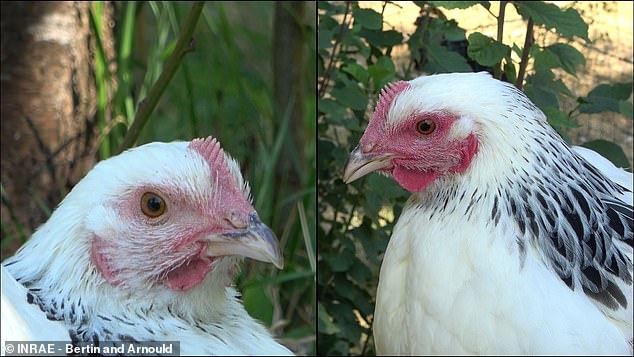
x=188, y=275
x=414, y=180
x=191, y=273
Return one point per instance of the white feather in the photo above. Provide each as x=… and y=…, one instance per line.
x=605, y=166
x=24, y=322
x=208, y=319
x=450, y=286
x=456, y=281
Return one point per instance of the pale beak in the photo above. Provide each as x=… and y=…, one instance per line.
x=360, y=164
x=256, y=241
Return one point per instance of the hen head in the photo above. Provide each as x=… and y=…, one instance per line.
x=436, y=126
x=167, y=214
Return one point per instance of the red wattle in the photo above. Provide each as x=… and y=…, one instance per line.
x=414, y=180
x=188, y=275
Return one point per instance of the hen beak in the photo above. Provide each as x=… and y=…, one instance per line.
x=359, y=164
x=256, y=241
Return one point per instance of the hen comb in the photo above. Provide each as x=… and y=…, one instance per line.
x=209, y=148
x=387, y=95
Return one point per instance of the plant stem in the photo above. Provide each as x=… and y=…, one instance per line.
x=324, y=81
x=497, y=70
x=184, y=44
x=528, y=42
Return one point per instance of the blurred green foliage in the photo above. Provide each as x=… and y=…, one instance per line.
x=224, y=88
x=354, y=62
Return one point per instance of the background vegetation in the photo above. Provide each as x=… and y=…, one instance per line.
x=356, y=58
x=225, y=86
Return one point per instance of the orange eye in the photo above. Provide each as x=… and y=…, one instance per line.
x=152, y=204
x=426, y=126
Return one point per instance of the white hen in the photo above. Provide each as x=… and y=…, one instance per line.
x=144, y=248
x=512, y=242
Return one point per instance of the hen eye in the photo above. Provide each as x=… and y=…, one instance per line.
x=426, y=126
x=152, y=204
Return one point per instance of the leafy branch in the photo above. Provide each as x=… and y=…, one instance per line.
x=355, y=63
x=323, y=85
x=184, y=44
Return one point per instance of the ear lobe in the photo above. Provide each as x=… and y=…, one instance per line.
x=102, y=261
x=468, y=150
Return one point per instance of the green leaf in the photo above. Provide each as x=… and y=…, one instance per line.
x=342, y=311
x=610, y=151
x=325, y=38
x=359, y=272
x=342, y=261
x=559, y=119
x=441, y=60
x=606, y=97
x=544, y=59
x=616, y=91
x=455, y=4
x=330, y=7
x=450, y=29
x=357, y=71
x=542, y=98
x=569, y=57
x=281, y=278
x=382, y=72
x=324, y=5
x=543, y=89
x=368, y=18
x=380, y=38
x=558, y=55
x=325, y=147
x=385, y=188
x=485, y=50
x=563, y=134
x=351, y=96
x=325, y=324
x=355, y=295
x=257, y=303
x=331, y=108
x=547, y=80
x=517, y=50
x=625, y=108
x=567, y=22
x=380, y=189
x=340, y=348
x=352, y=41
x=328, y=23
x=375, y=240
x=509, y=70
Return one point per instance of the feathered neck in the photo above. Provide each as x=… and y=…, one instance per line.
x=557, y=202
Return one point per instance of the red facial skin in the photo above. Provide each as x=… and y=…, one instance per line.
x=418, y=159
x=171, y=241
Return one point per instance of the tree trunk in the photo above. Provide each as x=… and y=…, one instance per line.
x=47, y=108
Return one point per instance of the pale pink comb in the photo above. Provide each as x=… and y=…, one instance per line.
x=387, y=95
x=227, y=192
x=209, y=148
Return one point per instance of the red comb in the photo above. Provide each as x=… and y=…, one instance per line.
x=387, y=95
